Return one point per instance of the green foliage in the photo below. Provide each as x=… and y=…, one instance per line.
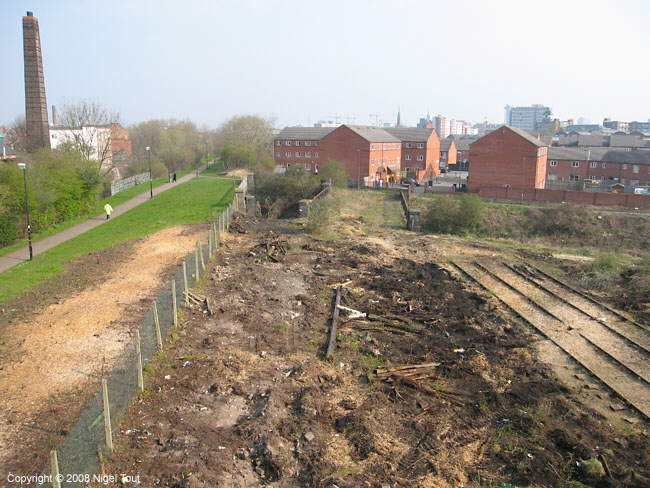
x=238, y=157
x=277, y=193
x=565, y=220
x=606, y=262
x=323, y=212
x=335, y=171
x=61, y=185
x=454, y=215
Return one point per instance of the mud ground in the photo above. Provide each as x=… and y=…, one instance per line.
x=61, y=337
x=245, y=398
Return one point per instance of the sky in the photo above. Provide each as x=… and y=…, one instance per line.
x=300, y=61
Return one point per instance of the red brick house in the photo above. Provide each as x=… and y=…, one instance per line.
x=448, y=152
x=605, y=165
x=420, y=158
x=507, y=157
x=369, y=153
x=300, y=145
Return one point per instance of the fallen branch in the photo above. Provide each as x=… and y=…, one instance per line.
x=353, y=313
x=335, y=317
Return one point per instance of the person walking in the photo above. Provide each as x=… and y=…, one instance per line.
x=174, y=177
x=109, y=210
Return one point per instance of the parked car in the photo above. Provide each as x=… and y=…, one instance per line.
x=410, y=181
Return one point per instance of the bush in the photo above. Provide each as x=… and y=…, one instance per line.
x=278, y=194
x=454, y=215
x=565, y=221
x=335, y=171
x=323, y=212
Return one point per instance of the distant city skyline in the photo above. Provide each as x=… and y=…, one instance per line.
x=300, y=62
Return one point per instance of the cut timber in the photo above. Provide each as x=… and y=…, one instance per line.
x=408, y=367
x=335, y=318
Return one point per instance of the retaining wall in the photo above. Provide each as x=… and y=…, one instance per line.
x=558, y=196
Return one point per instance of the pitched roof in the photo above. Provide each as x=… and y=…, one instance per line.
x=304, y=133
x=628, y=140
x=410, y=133
x=526, y=135
x=372, y=134
x=600, y=154
x=462, y=143
x=445, y=144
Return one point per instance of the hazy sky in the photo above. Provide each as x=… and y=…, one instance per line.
x=301, y=61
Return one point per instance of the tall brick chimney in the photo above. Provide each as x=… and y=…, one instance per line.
x=38, y=129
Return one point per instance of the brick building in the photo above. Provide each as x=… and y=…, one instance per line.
x=448, y=153
x=507, y=157
x=420, y=151
x=605, y=165
x=368, y=153
x=36, y=122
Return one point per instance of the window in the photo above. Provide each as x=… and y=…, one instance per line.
x=592, y=177
x=307, y=143
x=552, y=163
x=316, y=155
x=604, y=165
x=298, y=154
x=420, y=146
x=288, y=154
x=420, y=157
x=634, y=182
x=625, y=166
x=593, y=164
x=574, y=177
x=552, y=177
x=287, y=143
x=407, y=157
x=278, y=143
x=408, y=145
x=278, y=154
x=297, y=143
x=575, y=164
x=308, y=154
x=635, y=168
x=602, y=178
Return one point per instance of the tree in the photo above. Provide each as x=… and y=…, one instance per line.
x=335, y=171
x=249, y=131
x=17, y=135
x=87, y=128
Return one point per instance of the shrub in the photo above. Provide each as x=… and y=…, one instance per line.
x=323, y=212
x=454, y=215
x=279, y=194
x=335, y=171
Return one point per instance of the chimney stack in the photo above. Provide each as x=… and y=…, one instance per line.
x=55, y=120
x=38, y=128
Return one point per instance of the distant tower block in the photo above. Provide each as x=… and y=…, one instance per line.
x=38, y=130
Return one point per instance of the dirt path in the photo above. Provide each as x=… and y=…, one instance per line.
x=54, y=358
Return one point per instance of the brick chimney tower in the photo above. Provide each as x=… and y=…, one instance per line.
x=38, y=128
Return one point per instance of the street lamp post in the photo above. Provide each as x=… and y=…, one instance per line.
x=148, y=149
x=23, y=166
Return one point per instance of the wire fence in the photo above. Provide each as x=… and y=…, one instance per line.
x=90, y=440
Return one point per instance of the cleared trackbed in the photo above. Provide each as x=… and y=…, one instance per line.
x=604, y=341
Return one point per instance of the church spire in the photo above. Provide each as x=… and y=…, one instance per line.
x=398, y=117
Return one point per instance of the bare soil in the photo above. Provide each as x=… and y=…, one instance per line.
x=60, y=338
x=245, y=398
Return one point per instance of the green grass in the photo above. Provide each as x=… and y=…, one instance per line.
x=216, y=169
x=191, y=202
x=115, y=200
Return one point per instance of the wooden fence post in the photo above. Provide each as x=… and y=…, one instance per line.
x=174, y=304
x=138, y=356
x=196, y=259
x=209, y=244
x=185, y=289
x=156, y=324
x=200, y=247
x=107, y=416
x=54, y=469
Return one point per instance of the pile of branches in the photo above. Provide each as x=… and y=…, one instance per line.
x=271, y=246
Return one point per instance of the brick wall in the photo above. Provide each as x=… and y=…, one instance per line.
x=563, y=170
x=558, y=196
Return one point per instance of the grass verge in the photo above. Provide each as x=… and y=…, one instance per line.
x=191, y=202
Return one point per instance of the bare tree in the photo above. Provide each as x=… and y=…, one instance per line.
x=17, y=135
x=249, y=131
x=86, y=127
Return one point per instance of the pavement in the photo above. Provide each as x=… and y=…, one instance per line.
x=14, y=258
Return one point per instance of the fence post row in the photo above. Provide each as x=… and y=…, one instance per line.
x=200, y=248
x=174, y=304
x=196, y=263
x=185, y=289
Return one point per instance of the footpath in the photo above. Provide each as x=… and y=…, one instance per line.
x=14, y=258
